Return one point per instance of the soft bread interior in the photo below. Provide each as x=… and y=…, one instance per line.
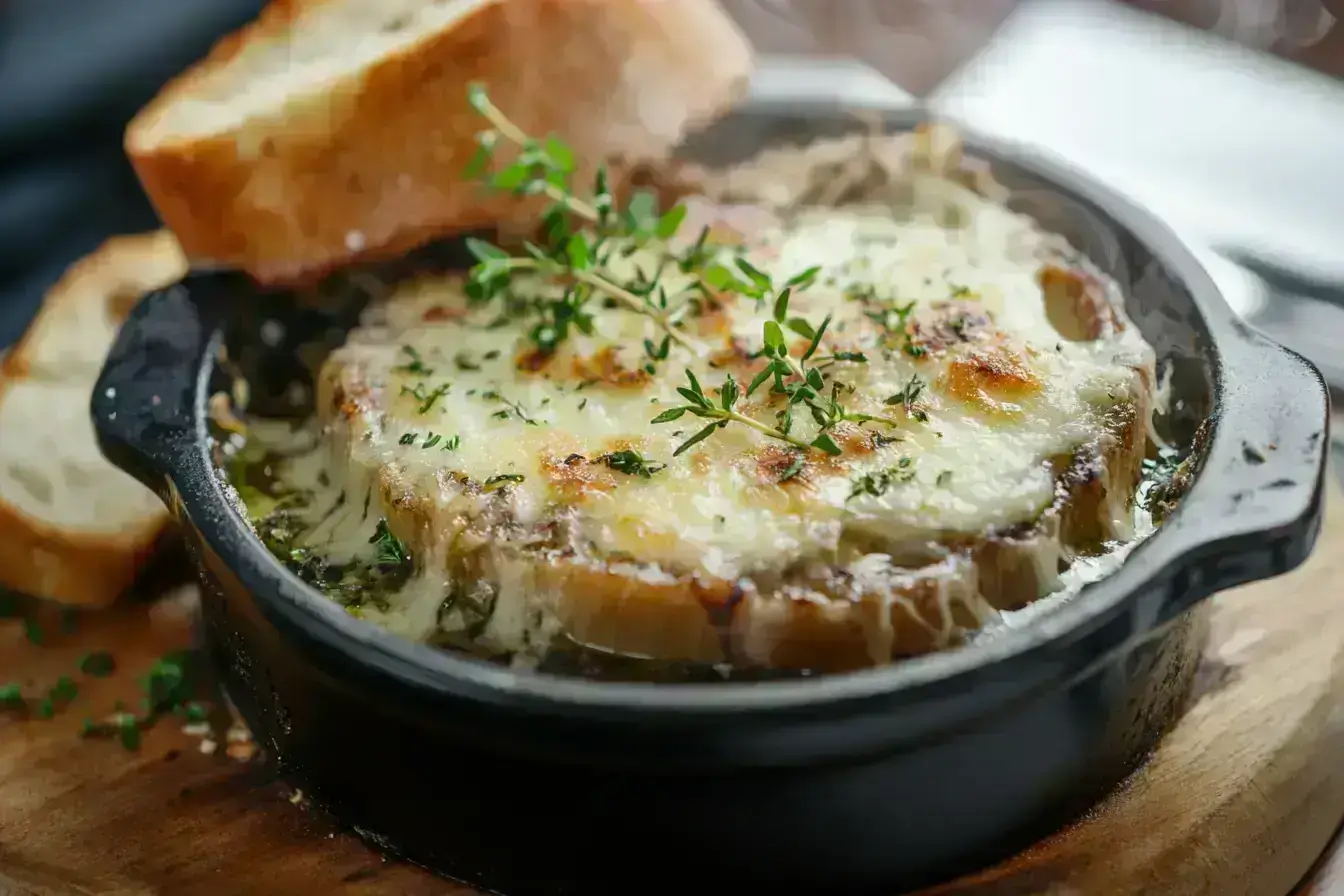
x=51, y=471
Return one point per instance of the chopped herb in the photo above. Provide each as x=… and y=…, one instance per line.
x=631, y=463
x=426, y=398
x=391, y=551
x=9, y=607
x=453, y=443
x=130, y=733
x=33, y=631
x=409, y=438
x=431, y=440
x=11, y=695
x=944, y=479
x=464, y=362
x=504, y=478
x=794, y=468
x=99, y=664
x=877, y=484
x=516, y=408
x=908, y=397
x=415, y=365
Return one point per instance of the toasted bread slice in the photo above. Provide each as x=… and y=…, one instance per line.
x=73, y=528
x=331, y=130
x=81, y=314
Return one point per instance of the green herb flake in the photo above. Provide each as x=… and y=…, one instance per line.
x=877, y=484
x=99, y=664
x=64, y=690
x=416, y=365
x=391, y=551
x=795, y=467
x=33, y=631
x=631, y=463
x=504, y=479
x=130, y=734
x=11, y=695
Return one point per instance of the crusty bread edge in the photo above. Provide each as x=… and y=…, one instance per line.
x=76, y=568
x=375, y=168
x=98, y=271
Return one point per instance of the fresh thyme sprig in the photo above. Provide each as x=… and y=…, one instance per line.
x=497, y=268
x=725, y=412
x=547, y=167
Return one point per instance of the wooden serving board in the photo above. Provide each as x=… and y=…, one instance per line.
x=1242, y=798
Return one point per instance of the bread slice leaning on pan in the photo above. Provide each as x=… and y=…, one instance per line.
x=73, y=528
x=330, y=130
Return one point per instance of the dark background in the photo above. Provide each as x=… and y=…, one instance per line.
x=73, y=72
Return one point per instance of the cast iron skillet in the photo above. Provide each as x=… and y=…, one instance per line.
x=875, y=781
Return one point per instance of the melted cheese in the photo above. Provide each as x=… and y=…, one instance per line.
x=446, y=408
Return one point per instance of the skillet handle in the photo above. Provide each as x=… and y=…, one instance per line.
x=1256, y=506
x=145, y=403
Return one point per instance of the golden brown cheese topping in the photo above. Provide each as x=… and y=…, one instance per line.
x=621, y=486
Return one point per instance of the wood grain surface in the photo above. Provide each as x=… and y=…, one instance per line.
x=1242, y=798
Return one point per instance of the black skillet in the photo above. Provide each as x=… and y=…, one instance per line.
x=871, y=782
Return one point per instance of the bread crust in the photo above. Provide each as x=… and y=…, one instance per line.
x=371, y=164
x=95, y=293
x=62, y=352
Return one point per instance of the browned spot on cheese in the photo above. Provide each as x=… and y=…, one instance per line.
x=1076, y=304
x=995, y=379
x=714, y=321
x=440, y=313
x=943, y=325
x=605, y=368
x=533, y=361
x=575, y=476
x=771, y=462
x=736, y=356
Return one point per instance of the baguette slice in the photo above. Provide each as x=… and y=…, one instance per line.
x=333, y=130
x=73, y=528
x=81, y=314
